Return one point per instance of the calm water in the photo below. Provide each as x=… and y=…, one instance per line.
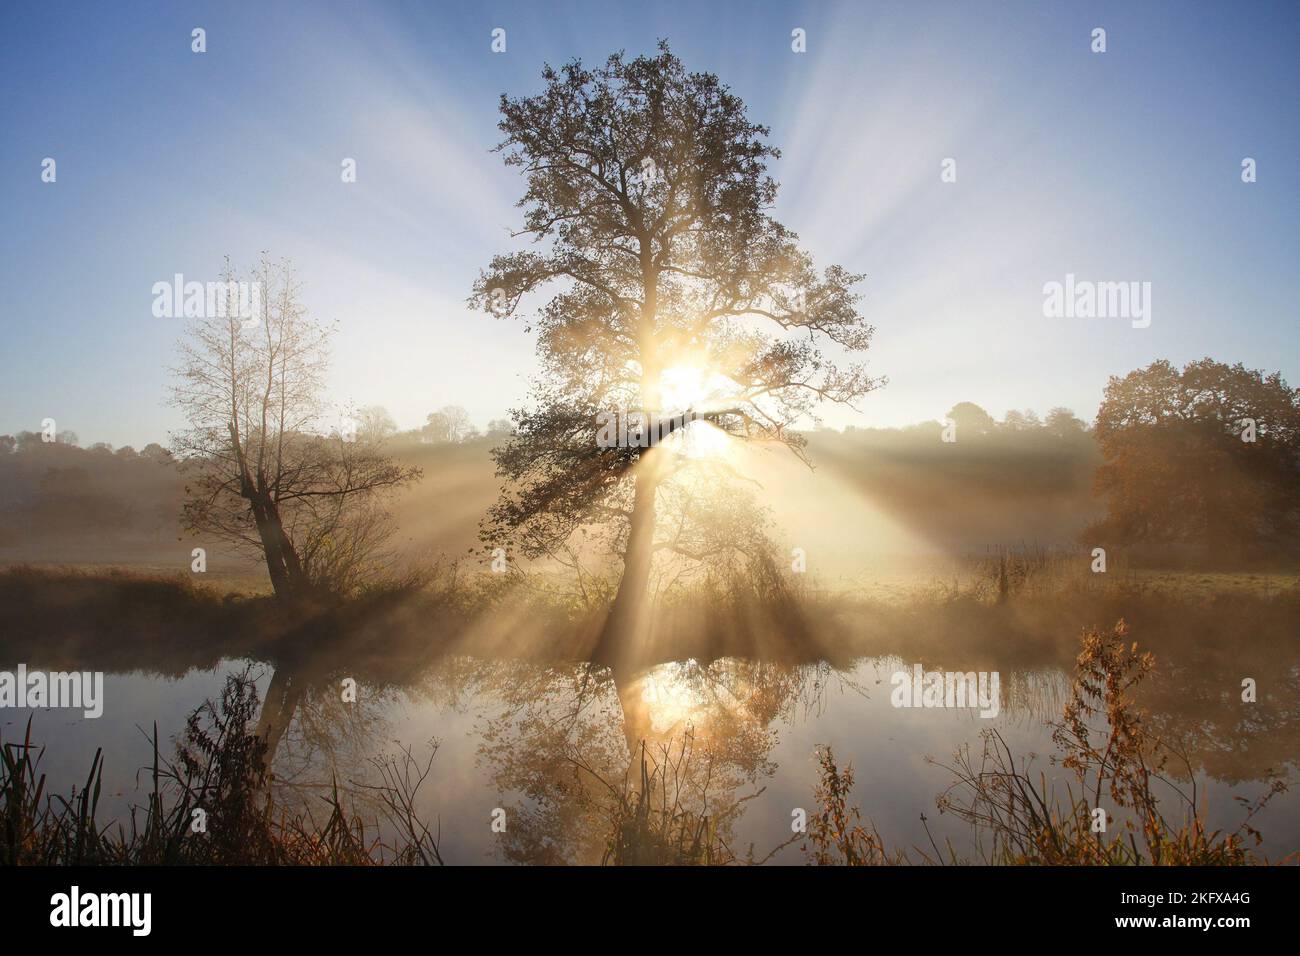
x=553, y=744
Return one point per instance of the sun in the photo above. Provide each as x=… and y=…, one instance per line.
x=669, y=697
x=685, y=386
x=695, y=388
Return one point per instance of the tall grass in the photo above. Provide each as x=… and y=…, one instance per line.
x=651, y=825
x=835, y=830
x=211, y=804
x=1034, y=571
x=1117, y=766
x=1119, y=773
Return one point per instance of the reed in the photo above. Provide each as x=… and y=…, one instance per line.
x=210, y=805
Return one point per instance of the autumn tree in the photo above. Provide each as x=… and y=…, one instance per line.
x=649, y=209
x=265, y=470
x=1209, y=456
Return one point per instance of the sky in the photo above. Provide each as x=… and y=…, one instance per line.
x=1115, y=166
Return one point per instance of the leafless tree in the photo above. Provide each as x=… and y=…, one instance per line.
x=375, y=422
x=264, y=469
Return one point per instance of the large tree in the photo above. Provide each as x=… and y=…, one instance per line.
x=1209, y=456
x=264, y=468
x=648, y=204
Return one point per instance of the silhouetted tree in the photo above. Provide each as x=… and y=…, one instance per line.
x=648, y=194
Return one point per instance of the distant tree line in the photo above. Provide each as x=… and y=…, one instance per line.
x=53, y=490
x=451, y=423
x=1205, y=459
x=974, y=422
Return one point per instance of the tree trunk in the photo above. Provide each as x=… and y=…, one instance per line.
x=282, y=699
x=638, y=724
x=282, y=562
x=624, y=637
x=626, y=630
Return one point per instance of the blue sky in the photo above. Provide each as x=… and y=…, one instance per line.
x=1115, y=167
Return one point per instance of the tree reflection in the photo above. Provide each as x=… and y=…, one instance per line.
x=659, y=763
x=652, y=766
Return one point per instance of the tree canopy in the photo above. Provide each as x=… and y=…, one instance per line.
x=648, y=205
x=1208, y=455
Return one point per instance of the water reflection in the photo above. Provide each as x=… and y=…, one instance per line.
x=665, y=762
x=644, y=766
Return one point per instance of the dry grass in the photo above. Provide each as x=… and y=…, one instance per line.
x=1120, y=770
x=211, y=805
